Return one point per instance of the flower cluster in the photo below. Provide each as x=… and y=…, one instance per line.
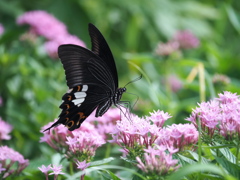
x=173, y=82
x=220, y=79
x=219, y=116
x=181, y=40
x=136, y=134
x=105, y=124
x=156, y=162
x=178, y=136
x=186, y=39
x=7, y=159
x=5, y=129
x=83, y=145
x=44, y=24
x=57, y=136
x=165, y=49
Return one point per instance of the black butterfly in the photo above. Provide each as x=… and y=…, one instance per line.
x=92, y=79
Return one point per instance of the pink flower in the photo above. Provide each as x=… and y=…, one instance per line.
x=8, y=157
x=45, y=169
x=57, y=136
x=44, y=24
x=52, y=45
x=1, y=168
x=158, y=117
x=220, y=79
x=105, y=124
x=82, y=165
x=173, y=82
x=56, y=170
x=5, y=129
x=1, y=101
x=220, y=115
x=1, y=29
x=186, y=39
x=157, y=162
x=178, y=136
x=83, y=144
x=164, y=49
x=134, y=134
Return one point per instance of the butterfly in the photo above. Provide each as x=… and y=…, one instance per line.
x=92, y=78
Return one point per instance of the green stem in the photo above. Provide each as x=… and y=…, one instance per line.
x=237, y=153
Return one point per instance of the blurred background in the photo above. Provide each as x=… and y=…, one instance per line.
x=187, y=51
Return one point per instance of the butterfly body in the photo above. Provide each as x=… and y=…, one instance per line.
x=92, y=79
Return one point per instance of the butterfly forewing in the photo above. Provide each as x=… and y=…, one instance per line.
x=101, y=48
x=74, y=59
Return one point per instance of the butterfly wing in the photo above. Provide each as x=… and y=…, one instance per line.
x=101, y=48
x=78, y=104
x=92, y=78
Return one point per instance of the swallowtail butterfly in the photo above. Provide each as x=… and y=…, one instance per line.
x=92, y=79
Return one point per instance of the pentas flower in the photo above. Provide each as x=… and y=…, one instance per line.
x=220, y=79
x=1, y=168
x=82, y=165
x=7, y=159
x=106, y=123
x=158, y=117
x=178, y=136
x=219, y=116
x=45, y=169
x=44, y=24
x=164, y=49
x=174, y=83
x=57, y=136
x=135, y=134
x=56, y=170
x=186, y=39
x=52, y=45
x=1, y=101
x=156, y=162
x=83, y=145
x=1, y=29
x=5, y=129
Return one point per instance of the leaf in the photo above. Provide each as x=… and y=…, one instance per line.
x=225, y=152
x=196, y=157
x=233, y=169
x=233, y=18
x=108, y=175
x=186, y=159
x=100, y=162
x=195, y=168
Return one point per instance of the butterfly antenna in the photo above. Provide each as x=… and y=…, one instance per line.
x=138, y=78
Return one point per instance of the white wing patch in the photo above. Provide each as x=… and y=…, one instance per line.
x=85, y=88
x=78, y=101
x=80, y=96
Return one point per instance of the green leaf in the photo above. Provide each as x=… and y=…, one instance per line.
x=233, y=169
x=233, y=18
x=195, y=168
x=100, y=162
